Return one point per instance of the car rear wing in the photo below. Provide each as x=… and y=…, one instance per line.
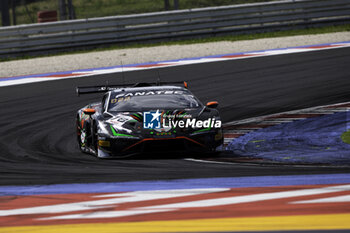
x=103, y=89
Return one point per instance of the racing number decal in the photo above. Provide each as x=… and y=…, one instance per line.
x=120, y=99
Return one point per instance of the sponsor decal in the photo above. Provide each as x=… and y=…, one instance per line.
x=119, y=120
x=145, y=93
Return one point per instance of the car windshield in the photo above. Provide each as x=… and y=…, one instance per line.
x=150, y=102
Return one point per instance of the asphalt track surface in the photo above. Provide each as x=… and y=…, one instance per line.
x=37, y=121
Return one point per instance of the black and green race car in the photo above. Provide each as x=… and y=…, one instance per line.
x=147, y=118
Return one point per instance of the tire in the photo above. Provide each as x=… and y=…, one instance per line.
x=79, y=132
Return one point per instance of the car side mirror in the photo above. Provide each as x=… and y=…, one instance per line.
x=89, y=111
x=212, y=104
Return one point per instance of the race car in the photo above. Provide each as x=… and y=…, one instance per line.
x=143, y=118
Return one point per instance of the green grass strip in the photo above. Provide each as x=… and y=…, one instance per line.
x=345, y=137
